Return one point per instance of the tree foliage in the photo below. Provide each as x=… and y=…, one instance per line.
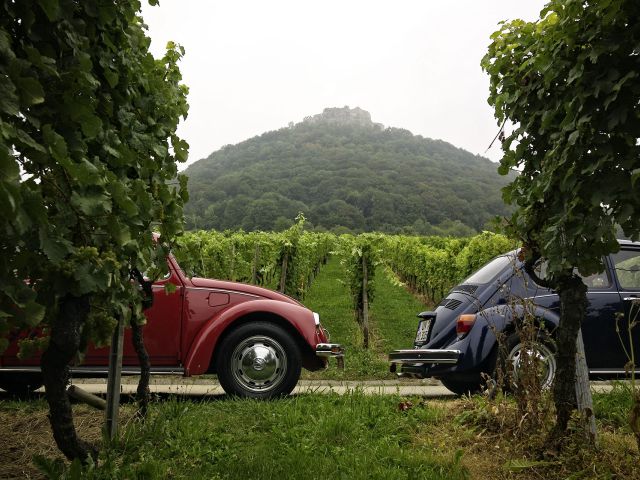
x=569, y=85
x=88, y=154
x=351, y=177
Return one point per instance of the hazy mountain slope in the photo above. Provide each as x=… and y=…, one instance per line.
x=341, y=169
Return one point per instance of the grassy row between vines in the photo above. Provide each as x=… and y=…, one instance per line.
x=392, y=316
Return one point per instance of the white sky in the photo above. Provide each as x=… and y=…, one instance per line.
x=254, y=66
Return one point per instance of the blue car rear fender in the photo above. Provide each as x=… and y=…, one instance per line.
x=479, y=346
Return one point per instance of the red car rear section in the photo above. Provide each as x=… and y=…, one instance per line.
x=255, y=339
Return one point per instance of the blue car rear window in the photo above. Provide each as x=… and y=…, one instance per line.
x=490, y=270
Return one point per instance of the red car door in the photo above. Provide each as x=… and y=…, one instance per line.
x=162, y=332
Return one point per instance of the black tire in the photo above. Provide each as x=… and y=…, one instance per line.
x=258, y=360
x=462, y=387
x=543, y=347
x=21, y=384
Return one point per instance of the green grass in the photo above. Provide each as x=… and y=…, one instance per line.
x=311, y=436
x=304, y=437
x=393, y=313
x=612, y=408
x=393, y=322
x=329, y=296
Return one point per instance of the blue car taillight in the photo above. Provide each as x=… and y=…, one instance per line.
x=464, y=324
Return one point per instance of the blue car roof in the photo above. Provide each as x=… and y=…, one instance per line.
x=628, y=243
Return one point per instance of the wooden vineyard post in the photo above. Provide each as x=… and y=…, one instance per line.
x=583, y=391
x=283, y=277
x=365, y=303
x=113, y=381
x=89, y=398
x=254, y=267
x=233, y=262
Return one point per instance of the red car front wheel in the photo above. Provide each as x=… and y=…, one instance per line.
x=259, y=360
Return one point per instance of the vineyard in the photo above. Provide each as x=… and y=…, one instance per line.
x=285, y=261
x=289, y=261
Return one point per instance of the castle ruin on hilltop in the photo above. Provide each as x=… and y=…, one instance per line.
x=343, y=116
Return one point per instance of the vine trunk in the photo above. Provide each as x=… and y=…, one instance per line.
x=573, y=305
x=63, y=347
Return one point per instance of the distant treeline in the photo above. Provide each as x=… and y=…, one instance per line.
x=345, y=178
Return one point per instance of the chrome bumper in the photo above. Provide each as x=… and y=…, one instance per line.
x=331, y=350
x=433, y=356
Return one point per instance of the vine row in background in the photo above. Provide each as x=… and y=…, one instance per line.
x=431, y=266
x=288, y=261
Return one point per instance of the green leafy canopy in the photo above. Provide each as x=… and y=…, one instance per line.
x=88, y=156
x=569, y=85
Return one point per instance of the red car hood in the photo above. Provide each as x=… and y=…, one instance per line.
x=242, y=288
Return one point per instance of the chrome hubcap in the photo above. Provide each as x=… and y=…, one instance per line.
x=541, y=356
x=259, y=363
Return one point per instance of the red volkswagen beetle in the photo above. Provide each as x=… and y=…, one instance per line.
x=256, y=340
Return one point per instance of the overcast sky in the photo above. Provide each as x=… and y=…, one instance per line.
x=255, y=66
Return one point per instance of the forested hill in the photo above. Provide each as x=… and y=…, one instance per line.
x=344, y=172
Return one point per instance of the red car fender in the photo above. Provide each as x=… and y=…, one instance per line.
x=201, y=351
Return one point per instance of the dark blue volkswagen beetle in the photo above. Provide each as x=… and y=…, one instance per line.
x=457, y=343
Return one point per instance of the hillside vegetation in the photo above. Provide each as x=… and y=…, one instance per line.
x=345, y=173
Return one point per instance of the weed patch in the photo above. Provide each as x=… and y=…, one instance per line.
x=498, y=444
